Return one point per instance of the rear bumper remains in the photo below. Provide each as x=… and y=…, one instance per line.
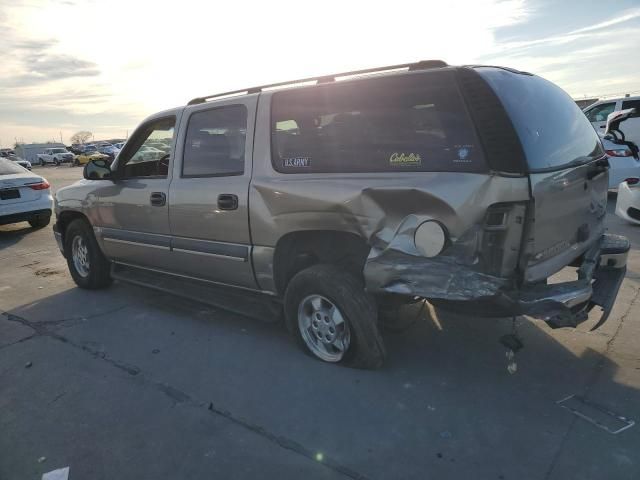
x=457, y=287
x=568, y=304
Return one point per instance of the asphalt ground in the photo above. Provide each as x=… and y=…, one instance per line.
x=129, y=383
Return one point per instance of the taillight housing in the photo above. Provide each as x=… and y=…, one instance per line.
x=619, y=152
x=39, y=186
x=501, y=237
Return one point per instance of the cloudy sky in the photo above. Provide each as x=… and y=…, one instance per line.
x=70, y=65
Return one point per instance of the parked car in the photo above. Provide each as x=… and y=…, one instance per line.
x=10, y=154
x=622, y=162
x=55, y=156
x=110, y=151
x=5, y=152
x=86, y=157
x=146, y=153
x=24, y=196
x=628, y=201
x=20, y=161
x=465, y=186
x=597, y=114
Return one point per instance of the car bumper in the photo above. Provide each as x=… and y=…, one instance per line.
x=458, y=288
x=568, y=304
x=24, y=216
x=621, y=169
x=628, y=203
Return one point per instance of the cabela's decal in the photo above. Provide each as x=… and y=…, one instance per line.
x=296, y=162
x=405, y=159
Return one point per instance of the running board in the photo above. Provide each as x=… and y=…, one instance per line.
x=239, y=301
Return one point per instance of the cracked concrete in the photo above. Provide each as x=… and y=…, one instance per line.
x=126, y=383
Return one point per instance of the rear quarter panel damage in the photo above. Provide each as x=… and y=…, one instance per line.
x=385, y=210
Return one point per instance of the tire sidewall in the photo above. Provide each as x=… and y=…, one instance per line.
x=356, y=306
x=81, y=228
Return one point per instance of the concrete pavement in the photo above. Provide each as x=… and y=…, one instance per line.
x=129, y=383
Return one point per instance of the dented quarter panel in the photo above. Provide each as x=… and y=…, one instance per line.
x=384, y=213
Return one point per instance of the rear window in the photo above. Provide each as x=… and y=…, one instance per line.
x=552, y=129
x=8, y=167
x=414, y=122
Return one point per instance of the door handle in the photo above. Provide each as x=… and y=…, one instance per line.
x=158, y=199
x=602, y=126
x=227, y=201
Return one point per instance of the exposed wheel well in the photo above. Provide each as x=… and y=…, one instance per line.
x=296, y=251
x=65, y=218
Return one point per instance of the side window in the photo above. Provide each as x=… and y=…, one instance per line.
x=215, y=142
x=414, y=122
x=632, y=104
x=148, y=151
x=599, y=113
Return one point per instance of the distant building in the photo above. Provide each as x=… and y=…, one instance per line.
x=30, y=151
x=585, y=102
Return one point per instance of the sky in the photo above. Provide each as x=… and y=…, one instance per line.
x=103, y=66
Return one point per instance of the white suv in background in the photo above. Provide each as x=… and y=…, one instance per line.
x=623, y=165
x=55, y=155
x=597, y=114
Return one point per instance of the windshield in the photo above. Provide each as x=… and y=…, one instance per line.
x=7, y=167
x=552, y=129
x=59, y=150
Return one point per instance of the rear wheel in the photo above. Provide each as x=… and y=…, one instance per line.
x=41, y=162
x=332, y=317
x=89, y=268
x=40, y=222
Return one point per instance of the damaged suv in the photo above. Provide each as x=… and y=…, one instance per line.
x=466, y=186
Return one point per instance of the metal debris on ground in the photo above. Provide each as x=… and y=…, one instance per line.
x=595, y=414
x=28, y=365
x=59, y=474
x=42, y=459
x=513, y=343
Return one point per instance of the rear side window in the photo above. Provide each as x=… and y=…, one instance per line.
x=599, y=113
x=215, y=142
x=552, y=129
x=414, y=122
x=632, y=104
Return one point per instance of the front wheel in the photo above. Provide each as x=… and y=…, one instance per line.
x=332, y=317
x=56, y=162
x=88, y=266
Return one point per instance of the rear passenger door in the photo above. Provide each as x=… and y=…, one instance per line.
x=208, y=207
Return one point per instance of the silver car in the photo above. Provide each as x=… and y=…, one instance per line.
x=338, y=196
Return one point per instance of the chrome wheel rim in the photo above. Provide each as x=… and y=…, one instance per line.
x=80, y=255
x=323, y=328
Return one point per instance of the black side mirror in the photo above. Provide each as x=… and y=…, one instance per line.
x=97, y=170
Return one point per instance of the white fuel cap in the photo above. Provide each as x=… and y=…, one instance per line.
x=430, y=238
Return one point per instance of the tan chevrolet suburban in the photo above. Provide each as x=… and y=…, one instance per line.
x=466, y=186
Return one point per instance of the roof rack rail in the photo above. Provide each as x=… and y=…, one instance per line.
x=421, y=65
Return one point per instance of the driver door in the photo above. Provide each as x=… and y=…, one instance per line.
x=133, y=211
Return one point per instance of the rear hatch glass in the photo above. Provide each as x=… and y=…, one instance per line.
x=561, y=147
x=554, y=132
x=9, y=167
x=398, y=123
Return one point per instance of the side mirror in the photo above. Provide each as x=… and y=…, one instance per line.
x=97, y=170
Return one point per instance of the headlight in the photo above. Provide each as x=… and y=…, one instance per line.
x=430, y=238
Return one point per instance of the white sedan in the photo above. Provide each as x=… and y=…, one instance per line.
x=24, y=196
x=628, y=202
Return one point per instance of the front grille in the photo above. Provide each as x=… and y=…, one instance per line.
x=634, y=213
